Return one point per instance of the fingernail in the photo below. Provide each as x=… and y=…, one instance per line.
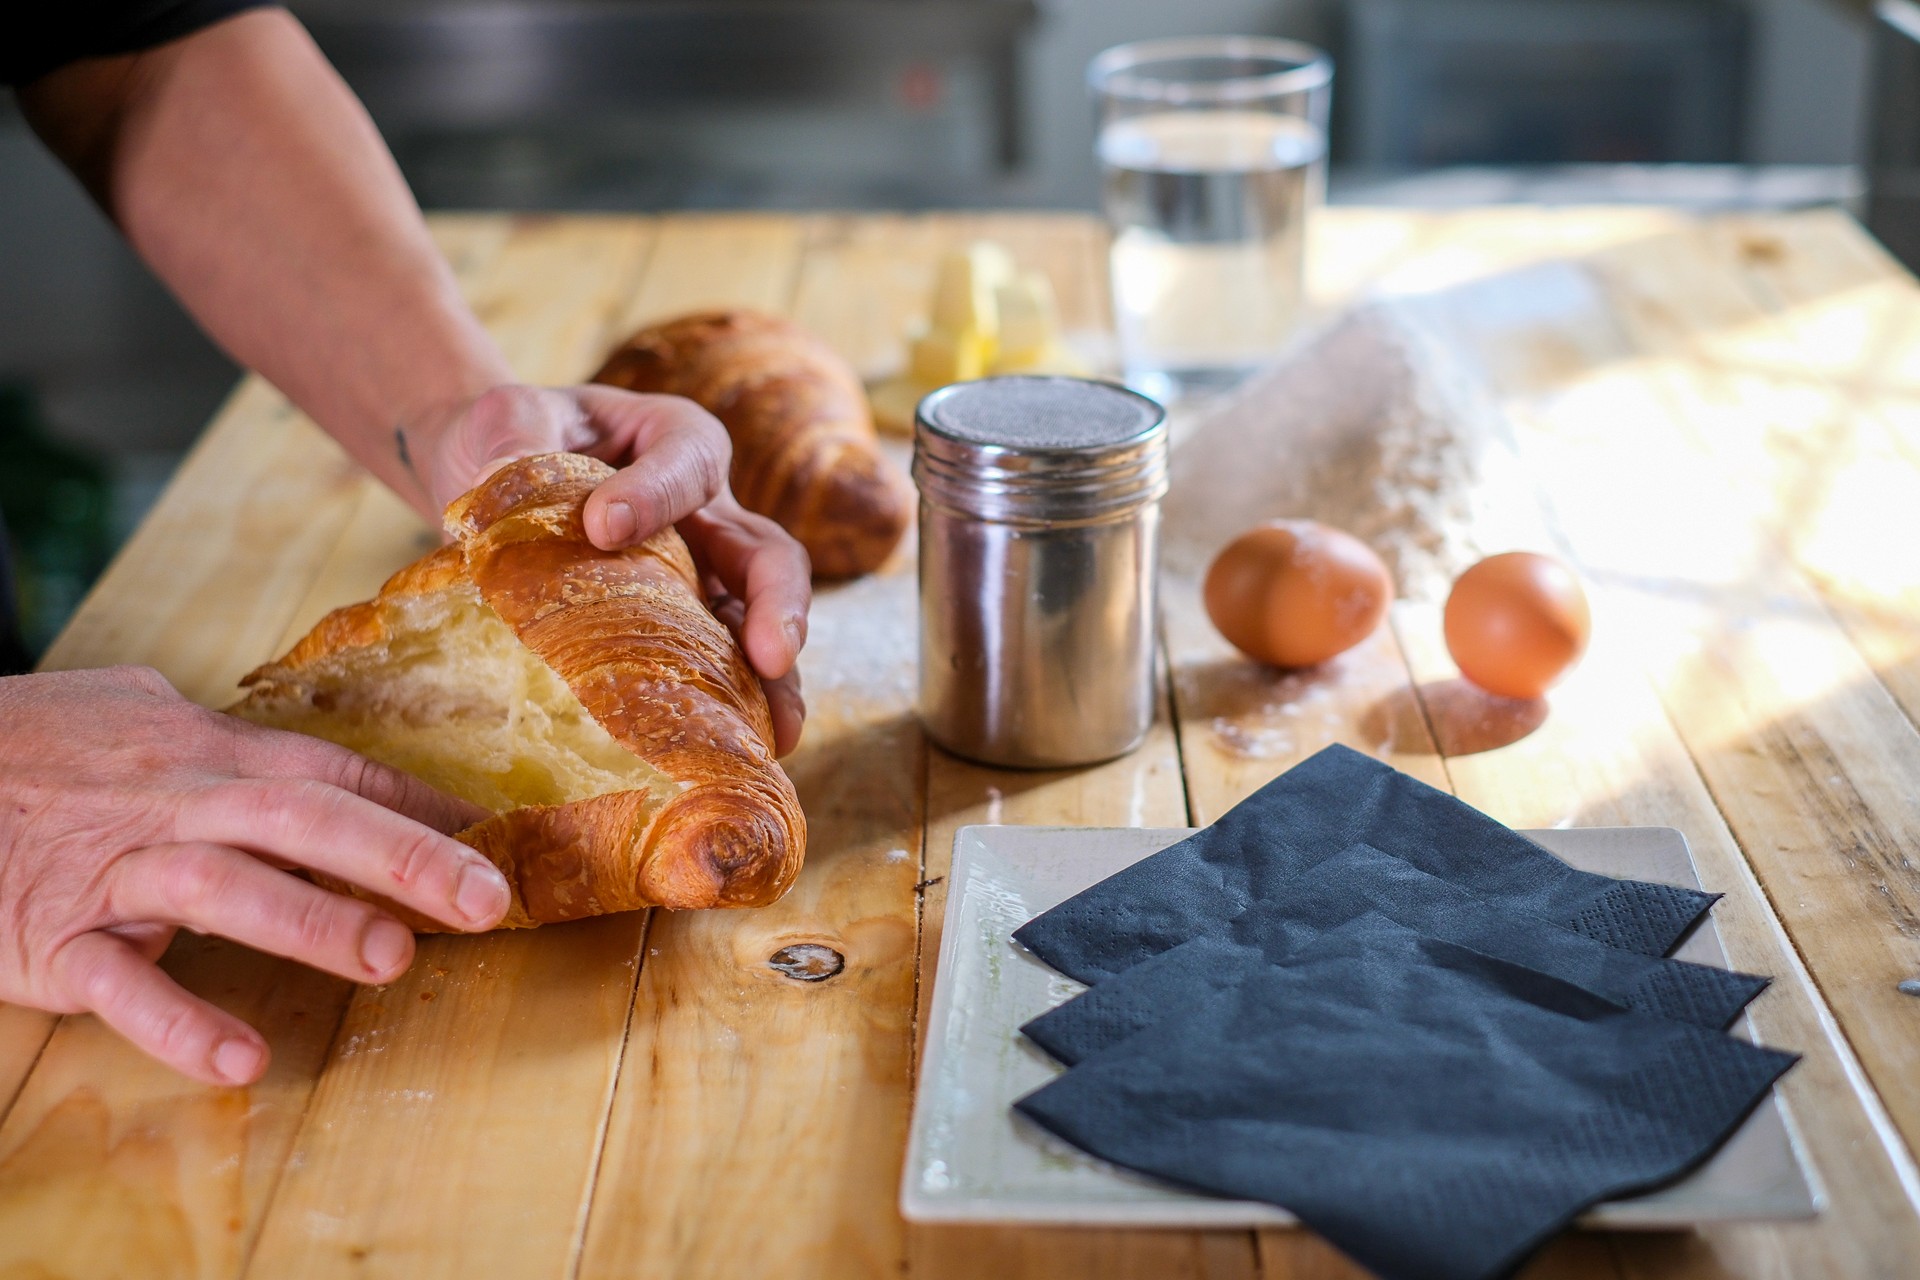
x=796, y=628
x=238, y=1060
x=384, y=947
x=481, y=894
x=619, y=522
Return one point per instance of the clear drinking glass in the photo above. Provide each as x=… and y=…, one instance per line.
x=1212, y=153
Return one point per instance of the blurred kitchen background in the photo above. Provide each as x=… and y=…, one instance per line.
x=903, y=104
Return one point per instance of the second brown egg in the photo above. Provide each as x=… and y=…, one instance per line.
x=1294, y=593
x=1516, y=623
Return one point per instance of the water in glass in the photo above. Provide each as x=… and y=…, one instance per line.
x=1209, y=214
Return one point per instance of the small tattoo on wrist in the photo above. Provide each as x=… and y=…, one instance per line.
x=406, y=456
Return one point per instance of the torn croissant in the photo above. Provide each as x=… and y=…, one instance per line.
x=589, y=698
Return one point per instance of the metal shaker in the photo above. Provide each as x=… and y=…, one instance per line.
x=1039, y=559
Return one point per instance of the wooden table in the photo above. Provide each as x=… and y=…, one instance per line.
x=1724, y=416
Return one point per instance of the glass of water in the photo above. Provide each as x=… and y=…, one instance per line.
x=1212, y=151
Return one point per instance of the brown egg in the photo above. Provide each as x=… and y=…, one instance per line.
x=1294, y=593
x=1516, y=623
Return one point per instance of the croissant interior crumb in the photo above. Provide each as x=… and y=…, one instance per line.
x=456, y=700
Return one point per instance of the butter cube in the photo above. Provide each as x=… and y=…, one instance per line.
x=965, y=287
x=1029, y=321
x=939, y=356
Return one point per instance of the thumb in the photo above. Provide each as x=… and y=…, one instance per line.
x=673, y=458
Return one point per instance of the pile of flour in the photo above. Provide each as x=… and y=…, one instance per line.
x=1373, y=426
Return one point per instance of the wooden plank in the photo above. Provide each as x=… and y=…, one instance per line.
x=1840, y=341
x=23, y=1034
x=1484, y=245
x=1807, y=754
x=716, y=260
x=1351, y=249
x=112, y=1165
x=1690, y=591
x=457, y=1125
x=758, y=1119
x=179, y=548
x=204, y=590
x=866, y=280
x=1242, y=724
x=1139, y=789
x=869, y=279
x=1850, y=311
x=495, y=1055
x=1606, y=755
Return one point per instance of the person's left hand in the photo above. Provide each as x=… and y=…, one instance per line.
x=673, y=458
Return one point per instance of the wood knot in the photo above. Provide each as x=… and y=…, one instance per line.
x=807, y=962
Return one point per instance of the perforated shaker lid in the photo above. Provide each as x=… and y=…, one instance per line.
x=1029, y=448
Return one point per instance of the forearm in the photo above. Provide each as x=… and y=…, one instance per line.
x=248, y=176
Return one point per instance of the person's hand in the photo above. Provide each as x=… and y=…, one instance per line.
x=126, y=813
x=673, y=458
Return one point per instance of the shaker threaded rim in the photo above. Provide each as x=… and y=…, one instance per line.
x=1106, y=466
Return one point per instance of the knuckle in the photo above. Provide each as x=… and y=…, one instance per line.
x=294, y=808
x=192, y=881
x=177, y=1031
x=88, y=975
x=315, y=925
x=369, y=779
x=706, y=433
x=713, y=454
x=664, y=494
x=415, y=858
x=142, y=679
x=281, y=815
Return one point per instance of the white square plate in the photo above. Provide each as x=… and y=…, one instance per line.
x=971, y=1158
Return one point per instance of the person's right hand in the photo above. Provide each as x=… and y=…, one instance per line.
x=127, y=812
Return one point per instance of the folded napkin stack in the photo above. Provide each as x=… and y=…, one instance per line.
x=1422, y=1034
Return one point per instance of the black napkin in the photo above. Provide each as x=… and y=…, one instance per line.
x=1353, y=882
x=1332, y=800
x=1431, y=1111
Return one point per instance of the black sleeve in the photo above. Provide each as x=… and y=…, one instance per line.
x=14, y=657
x=38, y=38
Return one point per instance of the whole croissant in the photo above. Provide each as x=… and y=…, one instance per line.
x=804, y=449
x=588, y=697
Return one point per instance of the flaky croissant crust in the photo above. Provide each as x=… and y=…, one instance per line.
x=804, y=448
x=629, y=633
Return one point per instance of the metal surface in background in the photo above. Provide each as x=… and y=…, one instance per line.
x=721, y=101
x=1430, y=83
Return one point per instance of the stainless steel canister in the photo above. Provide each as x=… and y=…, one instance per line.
x=1039, y=558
